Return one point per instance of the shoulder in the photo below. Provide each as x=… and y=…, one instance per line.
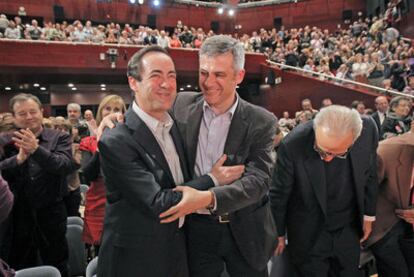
x=55, y=134
x=301, y=134
x=256, y=113
x=187, y=97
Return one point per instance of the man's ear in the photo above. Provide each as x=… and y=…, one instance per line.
x=133, y=83
x=240, y=76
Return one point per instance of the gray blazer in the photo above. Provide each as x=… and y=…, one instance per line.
x=249, y=142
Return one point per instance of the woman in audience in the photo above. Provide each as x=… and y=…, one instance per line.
x=375, y=71
x=95, y=196
x=398, y=119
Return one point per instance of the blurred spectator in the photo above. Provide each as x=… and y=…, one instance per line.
x=12, y=32
x=307, y=106
x=398, y=119
x=90, y=120
x=286, y=123
x=21, y=11
x=381, y=105
x=175, y=42
x=326, y=102
x=359, y=106
x=163, y=40
x=409, y=88
x=34, y=31
x=4, y=23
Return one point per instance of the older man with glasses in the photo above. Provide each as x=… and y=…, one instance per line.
x=323, y=193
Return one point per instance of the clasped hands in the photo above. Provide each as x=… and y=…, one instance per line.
x=27, y=143
x=194, y=200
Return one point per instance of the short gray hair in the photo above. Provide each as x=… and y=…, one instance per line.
x=222, y=44
x=74, y=106
x=339, y=121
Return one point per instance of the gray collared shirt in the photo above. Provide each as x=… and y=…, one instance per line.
x=212, y=138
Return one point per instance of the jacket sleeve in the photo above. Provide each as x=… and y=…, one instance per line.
x=371, y=188
x=282, y=183
x=59, y=160
x=254, y=183
x=127, y=174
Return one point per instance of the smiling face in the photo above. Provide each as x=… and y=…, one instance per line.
x=28, y=114
x=156, y=91
x=218, y=80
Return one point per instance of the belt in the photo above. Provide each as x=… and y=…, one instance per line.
x=222, y=219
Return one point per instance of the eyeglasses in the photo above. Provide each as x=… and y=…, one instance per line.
x=324, y=154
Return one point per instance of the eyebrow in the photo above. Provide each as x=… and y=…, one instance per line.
x=160, y=71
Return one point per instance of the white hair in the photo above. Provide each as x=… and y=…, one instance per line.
x=73, y=106
x=339, y=121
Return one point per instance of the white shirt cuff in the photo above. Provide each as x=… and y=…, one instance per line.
x=369, y=218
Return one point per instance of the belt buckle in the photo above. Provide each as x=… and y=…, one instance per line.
x=224, y=218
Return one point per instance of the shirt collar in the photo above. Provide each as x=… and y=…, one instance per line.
x=230, y=111
x=150, y=121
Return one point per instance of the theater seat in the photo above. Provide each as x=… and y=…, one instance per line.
x=92, y=268
x=77, y=253
x=40, y=271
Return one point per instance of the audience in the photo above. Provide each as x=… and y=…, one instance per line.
x=398, y=119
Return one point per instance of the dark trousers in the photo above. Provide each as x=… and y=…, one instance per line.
x=390, y=260
x=211, y=245
x=335, y=254
x=39, y=234
x=72, y=201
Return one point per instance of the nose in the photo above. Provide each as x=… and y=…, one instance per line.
x=209, y=79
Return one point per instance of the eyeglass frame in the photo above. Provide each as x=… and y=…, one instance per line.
x=324, y=154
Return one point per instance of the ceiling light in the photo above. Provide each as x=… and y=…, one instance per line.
x=156, y=3
x=36, y=85
x=231, y=12
x=140, y=2
x=70, y=85
x=103, y=88
x=7, y=88
x=74, y=88
x=181, y=89
x=103, y=85
x=132, y=1
x=42, y=88
x=189, y=86
x=220, y=11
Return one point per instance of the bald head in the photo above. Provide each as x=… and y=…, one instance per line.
x=381, y=104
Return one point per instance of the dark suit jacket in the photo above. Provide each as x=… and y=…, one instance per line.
x=298, y=190
x=249, y=142
x=139, y=187
x=395, y=163
x=376, y=118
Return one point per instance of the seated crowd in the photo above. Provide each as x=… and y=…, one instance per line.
x=367, y=51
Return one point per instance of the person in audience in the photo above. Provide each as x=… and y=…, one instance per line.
x=409, y=88
x=12, y=32
x=359, y=106
x=321, y=202
x=90, y=121
x=286, y=123
x=36, y=166
x=398, y=119
x=142, y=162
x=238, y=232
x=4, y=23
x=74, y=113
x=163, y=40
x=95, y=196
x=381, y=106
x=359, y=69
x=306, y=106
x=175, y=42
x=395, y=174
x=326, y=102
x=34, y=31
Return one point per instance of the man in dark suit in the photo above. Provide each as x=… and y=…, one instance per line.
x=323, y=193
x=238, y=229
x=381, y=104
x=395, y=174
x=142, y=161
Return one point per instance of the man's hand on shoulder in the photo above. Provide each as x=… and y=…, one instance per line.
x=226, y=174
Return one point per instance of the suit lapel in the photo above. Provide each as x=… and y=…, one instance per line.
x=237, y=132
x=195, y=115
x=175, y=134
x=313, y=163
x=143, y=136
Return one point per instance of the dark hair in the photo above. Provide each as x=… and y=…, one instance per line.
x=22, y=97
x=135, y=63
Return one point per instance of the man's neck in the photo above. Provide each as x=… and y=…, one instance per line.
x=224, y=106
